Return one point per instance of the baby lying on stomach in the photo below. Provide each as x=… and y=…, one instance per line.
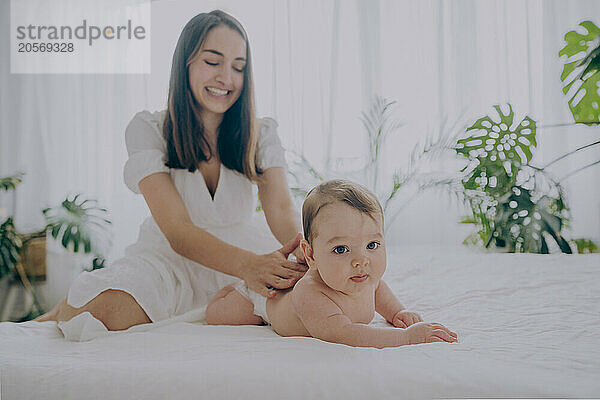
x=336, y=299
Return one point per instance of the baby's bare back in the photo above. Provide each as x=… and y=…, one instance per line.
x=282, y=316
x=285, y=320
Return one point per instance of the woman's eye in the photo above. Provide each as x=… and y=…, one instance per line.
x=340, y=250
x=210, y=63
x=372, y=245
x=239, y=69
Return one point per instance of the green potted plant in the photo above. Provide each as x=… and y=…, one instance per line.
x=515, y=205
x=80, y=226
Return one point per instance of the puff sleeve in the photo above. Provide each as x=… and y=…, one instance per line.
x=270, y=153
x=146, y=148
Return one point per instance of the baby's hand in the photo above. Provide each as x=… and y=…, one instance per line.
x=404, y=319
x=425, y=332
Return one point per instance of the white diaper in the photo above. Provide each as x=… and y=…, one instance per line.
x=260, y=302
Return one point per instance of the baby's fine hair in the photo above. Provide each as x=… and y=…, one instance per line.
x=353, y=194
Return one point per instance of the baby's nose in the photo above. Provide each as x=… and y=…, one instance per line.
x=360, y=261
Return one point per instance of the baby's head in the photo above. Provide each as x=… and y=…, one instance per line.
x=343, y=231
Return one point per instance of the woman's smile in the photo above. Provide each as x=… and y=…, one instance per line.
x=217, y=92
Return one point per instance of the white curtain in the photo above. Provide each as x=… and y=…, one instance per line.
x=65, y=131
x=318, y=64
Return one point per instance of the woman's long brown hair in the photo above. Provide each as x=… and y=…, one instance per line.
x=183, y=130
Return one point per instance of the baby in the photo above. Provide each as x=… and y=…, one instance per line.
x=337, y=297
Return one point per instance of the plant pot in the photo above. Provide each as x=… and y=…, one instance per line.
x=33, y=256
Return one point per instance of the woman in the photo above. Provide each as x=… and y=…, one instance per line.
x=195, y=163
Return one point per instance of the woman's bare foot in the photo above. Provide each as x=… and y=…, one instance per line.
x=116, y=309
x=52, y=315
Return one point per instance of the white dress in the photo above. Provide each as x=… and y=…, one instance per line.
x=164, y=283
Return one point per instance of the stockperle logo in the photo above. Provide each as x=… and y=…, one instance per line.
x=80, y=36
x=90, y=33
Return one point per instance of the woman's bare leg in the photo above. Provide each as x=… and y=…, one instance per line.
x=229, y=307
x=116, y=309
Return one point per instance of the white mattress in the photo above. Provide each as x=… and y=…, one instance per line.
x=528, y=325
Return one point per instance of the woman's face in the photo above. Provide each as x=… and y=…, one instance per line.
x=216, y=75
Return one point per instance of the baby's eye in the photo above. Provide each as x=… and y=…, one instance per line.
x=373, y=245
x=340, y=249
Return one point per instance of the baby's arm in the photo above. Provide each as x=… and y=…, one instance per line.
x=386, y=303
x=325, y=320
x=388, y=306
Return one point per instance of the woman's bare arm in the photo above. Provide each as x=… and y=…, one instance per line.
x=170, y=213
x=281, y=215
x=261, y=272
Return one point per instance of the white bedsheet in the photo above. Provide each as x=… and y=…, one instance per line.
x=528, y=326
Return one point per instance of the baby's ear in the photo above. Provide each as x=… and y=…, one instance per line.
x=308, y=252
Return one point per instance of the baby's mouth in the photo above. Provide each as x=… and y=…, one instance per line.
x=359, y=278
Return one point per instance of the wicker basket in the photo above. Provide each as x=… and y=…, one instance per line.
x=33, y=257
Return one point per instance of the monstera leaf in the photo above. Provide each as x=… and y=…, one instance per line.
x=80, y=225
x=582, y=53
x=491, y=177
x=521, y=222
x=497, y=150
x=505, y=199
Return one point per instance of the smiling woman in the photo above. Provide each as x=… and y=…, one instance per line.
x=211, y=58
x=196, y=164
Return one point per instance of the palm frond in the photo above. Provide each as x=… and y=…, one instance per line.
x=11, y=182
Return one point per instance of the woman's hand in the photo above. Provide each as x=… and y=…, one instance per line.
x=299, y=254
x=268, y=272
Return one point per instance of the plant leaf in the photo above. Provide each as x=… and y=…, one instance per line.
x=11, y=182
x=79, y=223
x=493, y=141
x=522, y=222
x=585, y=246
x=496, y=151
x=584, y=102
x=10, y=247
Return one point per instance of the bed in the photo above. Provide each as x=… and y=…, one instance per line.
x=528, y=325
